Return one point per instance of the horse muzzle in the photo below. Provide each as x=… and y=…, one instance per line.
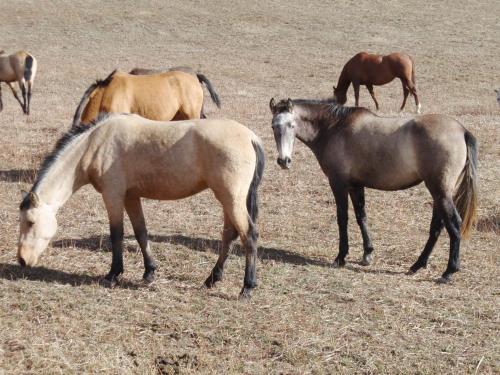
x=284, y=163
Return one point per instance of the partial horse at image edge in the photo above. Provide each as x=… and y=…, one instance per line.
x=18, y=67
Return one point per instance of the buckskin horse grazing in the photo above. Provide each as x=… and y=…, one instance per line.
x=201, y=78
x=19, y=67
x=356, y=149
x=166, y=96
x=375, y=70
x=126, y=157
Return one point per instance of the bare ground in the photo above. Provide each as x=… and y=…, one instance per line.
x=305, y=317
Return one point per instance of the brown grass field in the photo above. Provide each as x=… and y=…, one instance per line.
x=304, y=317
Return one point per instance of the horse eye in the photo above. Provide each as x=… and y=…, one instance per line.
x=30, y=224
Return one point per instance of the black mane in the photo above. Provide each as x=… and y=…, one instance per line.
x=327, y=109
x=68, y=137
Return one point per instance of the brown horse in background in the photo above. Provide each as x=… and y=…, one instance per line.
x=19, y=67
x=186, y=69
x=375, y=70
x=166, y=96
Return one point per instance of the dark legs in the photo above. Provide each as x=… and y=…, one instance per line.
x=25, y=98
x=358, y=201
x=228, y=236
x=434, y=232
x=134, y=211
x=444, y=214
x=29, y=98
x=340, y=193
x=114, y=206
x=250, y=279
x=372, y=93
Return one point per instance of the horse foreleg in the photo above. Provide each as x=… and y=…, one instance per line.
x=134, y=211
x=229, y=234
x=372, y=93
x=413, y=91
x=340, y=193
x=434, y=232
x=355, y=86
x=358, y=201
x=15, y=95
x=114, y=206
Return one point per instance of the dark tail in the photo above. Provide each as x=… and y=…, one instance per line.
x=88, y=92
x=203, y=79
x=466, y=196
x=252, y=202
x=28, y=65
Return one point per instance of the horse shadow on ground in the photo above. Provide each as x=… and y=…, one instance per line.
x=102, y=243
x=18, y=175
x=12, y=271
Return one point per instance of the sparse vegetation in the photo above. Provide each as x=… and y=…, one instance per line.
x=304, y=317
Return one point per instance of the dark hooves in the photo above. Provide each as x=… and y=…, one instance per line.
x=111, y=280
x=338, y=263
x=245, y=294
x=445, y=279
x=367, y=260
x=148, y=277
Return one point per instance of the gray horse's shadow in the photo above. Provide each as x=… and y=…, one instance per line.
x=102, y=243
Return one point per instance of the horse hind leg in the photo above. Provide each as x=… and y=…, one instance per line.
x=134, y=211
x=452, y=222
x=114, y=206
x=372, y=93
x=358, y=201
x=406, y=92
x=28, y=103
x=434, y=232
x=229, y=234
x=22, y=86
x=413, y=89
x=14, y=92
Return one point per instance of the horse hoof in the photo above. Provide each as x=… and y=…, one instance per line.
x=337, y=263
x=148, y=278
x=245, y=294
x=444, y=280
x=367, y=260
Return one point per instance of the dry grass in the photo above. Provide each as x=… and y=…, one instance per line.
x=304, y=317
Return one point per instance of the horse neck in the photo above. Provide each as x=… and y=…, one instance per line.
x=308, y=125
x=64, y=176
x=344, y=81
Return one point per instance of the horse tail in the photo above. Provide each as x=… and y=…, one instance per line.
x=466, y=196
x=28, y=68
x=203, y=79
x=97, y=84
x=252, y=203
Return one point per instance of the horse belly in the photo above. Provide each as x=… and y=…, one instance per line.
x=7, y=74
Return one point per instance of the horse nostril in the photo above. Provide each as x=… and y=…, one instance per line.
x=22, y=262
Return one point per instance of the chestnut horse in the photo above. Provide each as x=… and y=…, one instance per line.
x=126, y=157
x=356, y=149
x=19, y=67
x=166, y=96
x=201, y=78
x=375, y=70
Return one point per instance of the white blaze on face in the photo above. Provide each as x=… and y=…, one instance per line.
x=284, y=133
x=37, y=227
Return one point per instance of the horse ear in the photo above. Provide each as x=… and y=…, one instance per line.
x=272, y=105
x=497, y=91
x=334, y=88
x=33, y=197
x=289, y=104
